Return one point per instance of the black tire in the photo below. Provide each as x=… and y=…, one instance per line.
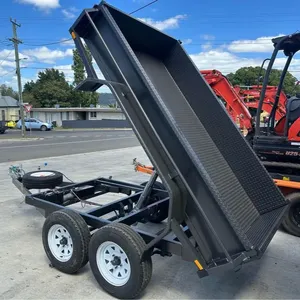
x=133, y=246
x=36, y=180
x=158, y=215
x=79, y=232
x=43, y=128
x=291, y=221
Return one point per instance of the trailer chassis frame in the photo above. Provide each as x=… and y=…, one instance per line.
x=130, y=210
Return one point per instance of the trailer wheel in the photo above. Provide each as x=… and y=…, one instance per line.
x=291, y=221
x=42, y=179
x=159, y=214
x=66, y=237
x=115, y=253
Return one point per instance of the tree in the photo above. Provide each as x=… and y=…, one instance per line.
x=8, y=91
x=84, y=99
x=50, y=88
x=249, y=76
x=78, y=66
x=28, y=96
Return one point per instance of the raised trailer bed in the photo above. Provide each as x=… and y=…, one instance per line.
x=223, y=207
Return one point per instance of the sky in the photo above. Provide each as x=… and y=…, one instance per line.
x=223, y=35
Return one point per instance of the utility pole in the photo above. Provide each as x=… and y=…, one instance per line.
x=16, y=43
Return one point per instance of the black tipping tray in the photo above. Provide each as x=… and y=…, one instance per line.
x=215, y=180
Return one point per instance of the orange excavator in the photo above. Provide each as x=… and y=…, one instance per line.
x=235, y=106
x=239, y=100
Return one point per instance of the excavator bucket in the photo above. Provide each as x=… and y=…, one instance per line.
x=216, y=183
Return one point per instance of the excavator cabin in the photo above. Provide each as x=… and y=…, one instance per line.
x=279, y=141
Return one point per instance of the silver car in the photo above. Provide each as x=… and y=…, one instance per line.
x=35, y=124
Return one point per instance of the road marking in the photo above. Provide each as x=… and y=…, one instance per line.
x=64, y=143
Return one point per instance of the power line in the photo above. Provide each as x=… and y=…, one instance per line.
x=220, y=69
x=3, y=75
x=48, y=44
x=152, y=2
x=202, y=21
x=62, y=41
x=5, y=59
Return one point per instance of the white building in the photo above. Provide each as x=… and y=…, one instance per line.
x=59, y=115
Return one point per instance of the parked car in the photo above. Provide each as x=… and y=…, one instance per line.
x=35, y=124
x=11, y=124
x=3, y=127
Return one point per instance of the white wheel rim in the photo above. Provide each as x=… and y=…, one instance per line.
x=60, y=243
x=42, y=174
x=113, y=263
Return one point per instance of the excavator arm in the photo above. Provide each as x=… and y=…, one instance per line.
x=223, y=89
x=251, y=95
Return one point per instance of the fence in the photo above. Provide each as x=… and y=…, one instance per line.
x=96, y=124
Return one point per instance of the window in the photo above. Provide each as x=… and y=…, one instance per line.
x=93, y=114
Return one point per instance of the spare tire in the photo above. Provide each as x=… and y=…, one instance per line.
x=43, y=179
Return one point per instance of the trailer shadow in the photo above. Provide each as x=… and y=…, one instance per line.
x=271, y=277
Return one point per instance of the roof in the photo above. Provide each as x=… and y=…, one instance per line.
x=7, y=101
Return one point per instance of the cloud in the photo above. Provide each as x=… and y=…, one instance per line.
x=227, y=62
x=223, y=61
x=42, y=4
x=45, y=55
x=207, y=37
x=7, y=54
x=5, y=73
x=7, y=63
x=74, y=9
x=171, y=23
x=187, y=41
x=70, y=13
x=7, y=58
x=67, y=70
x=261, y=44
x=13, y=82
x=67, y=42
x=207, y=46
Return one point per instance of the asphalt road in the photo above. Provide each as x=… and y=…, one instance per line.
x=57, y=143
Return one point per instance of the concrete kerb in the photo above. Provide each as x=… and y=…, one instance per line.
x=20, y=139
x=94, y=129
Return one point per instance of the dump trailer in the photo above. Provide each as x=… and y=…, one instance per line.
x=223, y=207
